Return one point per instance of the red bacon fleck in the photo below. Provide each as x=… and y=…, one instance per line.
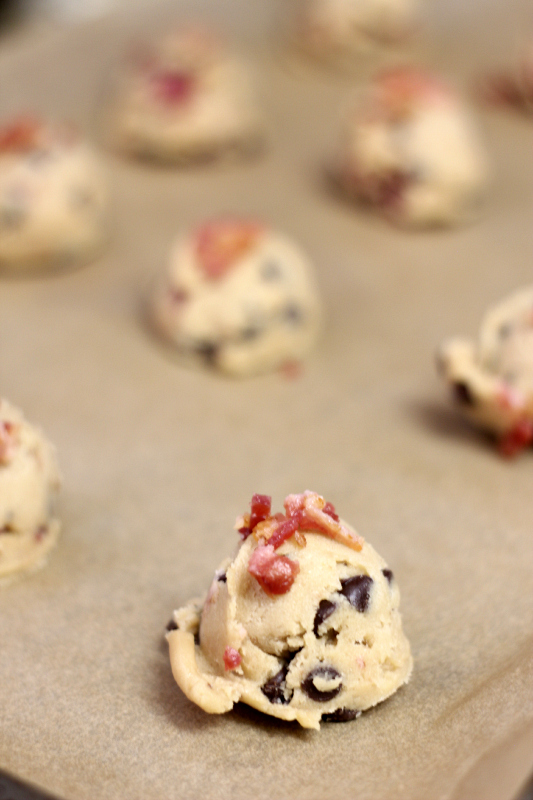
x=516, y=439
x=329, y=509
x=173, y=88
x=259, y=509
x=21, y=135
x=232, y=658
x=7, y=441
x=274, y=573
x=220, y=243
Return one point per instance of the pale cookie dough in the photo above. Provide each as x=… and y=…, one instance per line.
x=53, y=197
x=492, y=379
x=513, y=88
x=238, y=297
x=340, y=31
x=302, y=624
x=411, y=151
x=29, y=482
x=186, y=100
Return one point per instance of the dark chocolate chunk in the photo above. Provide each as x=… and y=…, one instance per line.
x=293, y=314
x=172, y=625
x=276, y=687
x=270, y=271
x=221, y=576
x=12, y=217
x=388, y=574
x=326, y=673
x=341, y=715
x=462, y=394
x=325, y=610
x=208, y=351
x=357, y=591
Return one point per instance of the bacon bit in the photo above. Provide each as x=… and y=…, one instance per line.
x=232, y=658
x=20, y=136
x=220, y=243
x=274, y=573
x=8, y=441
x=40, y=533
x=503, y=90
x=400, y=89
x=516, y=439
x=329, y=509
x=291, y=370
x=284, y=531
x=173, y=88
x=178, y=296
x=260, y=509
x=509, y=399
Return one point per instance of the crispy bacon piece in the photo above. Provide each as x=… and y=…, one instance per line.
x=173, y=88
x=398, y=90
x=220, y=243
x=517, y=438
x=8, y=441
x=259, y=509
x=274, y=573
x=21, y=135
x=232, y=658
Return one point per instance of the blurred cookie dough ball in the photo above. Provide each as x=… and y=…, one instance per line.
x=492, y=379
x=185, y=100
x=53, y=197
x=303, y=623
x=410, y=150
x=340, y=31
x=238, y=297
x=29, y=483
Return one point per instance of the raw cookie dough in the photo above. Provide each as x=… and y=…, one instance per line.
x=53, y=196
x=29, y=482
x=302, y=624
x=512, y=89
x=340, y=31
x=238, y=297
x=411, y=151
x=186, y=100
x=492, y=379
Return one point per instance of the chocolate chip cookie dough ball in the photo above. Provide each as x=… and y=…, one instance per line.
x=53, y=197
x=185, y=100
x=302, y=624
x=237, y=297
x=492, y=379
x=339, y=32
x=29, y=482
x=411, y=151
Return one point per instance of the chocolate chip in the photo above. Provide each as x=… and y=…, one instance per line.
x=275, y=689
x=12, y=217
x=357, y=591
x=341, y=715
x=197, y=638
x=325, y=610
x=270, y=271
x=293, y=314
x=208, y=351
x=172, y=625
x=327, y=674
x=388, y=574
x=221, y=576
x=462, y=394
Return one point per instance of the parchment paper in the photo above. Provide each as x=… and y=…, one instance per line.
x=158, y=460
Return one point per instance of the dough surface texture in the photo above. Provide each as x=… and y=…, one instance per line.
x=185, y=100
x=340, y=31
x=29, y=482
x=302, y=624
x=492, y=379
x=53, y=197
x=237, y=297
x=411, y=151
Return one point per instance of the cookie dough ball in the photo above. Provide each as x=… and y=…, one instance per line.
x=302, y=624
x=513, y=88
x=237, y=297
x=492, y=379
x=53, y=197
x=411, y=151
x=29, y=482
x=186, y=100
x=340, y=31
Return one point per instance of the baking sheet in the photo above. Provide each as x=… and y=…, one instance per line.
x=158, y=461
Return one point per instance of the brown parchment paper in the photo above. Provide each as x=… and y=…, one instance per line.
x=158, y=460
